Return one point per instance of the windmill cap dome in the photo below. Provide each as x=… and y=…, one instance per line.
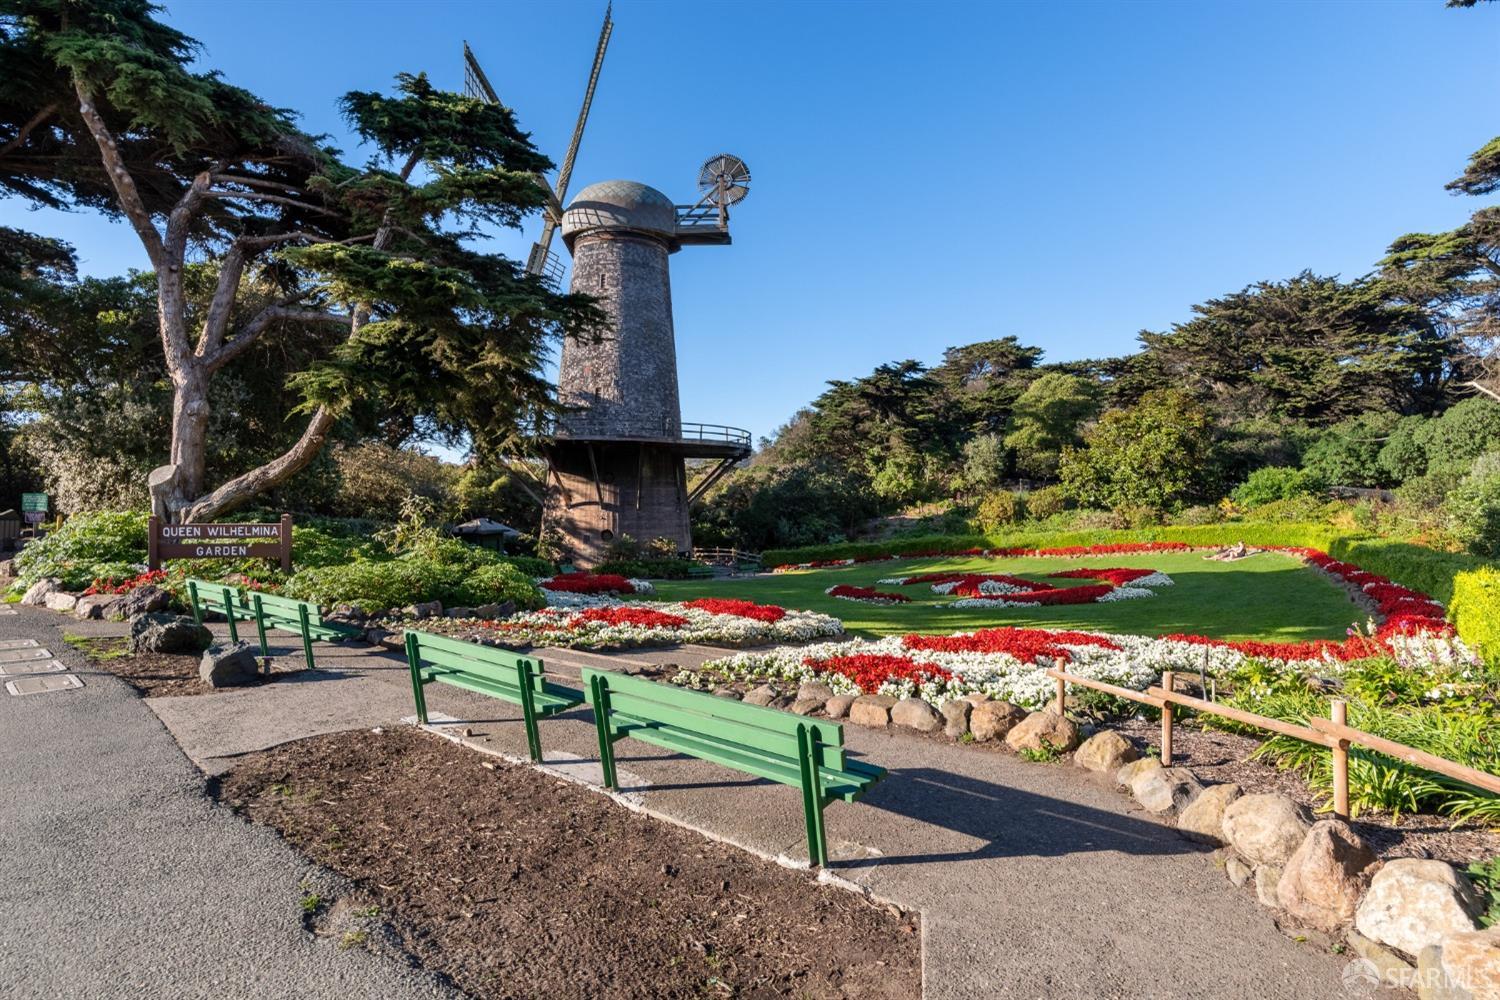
x=619, y=205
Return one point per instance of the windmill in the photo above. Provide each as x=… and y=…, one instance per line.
x=542, y=261
x=617, y=458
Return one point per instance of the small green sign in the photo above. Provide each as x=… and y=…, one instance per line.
x=34, y=503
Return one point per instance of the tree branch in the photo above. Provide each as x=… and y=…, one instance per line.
x=119, y=176
x=256, y=481
x=278, y=199
x=28, y=128
x=252, y=331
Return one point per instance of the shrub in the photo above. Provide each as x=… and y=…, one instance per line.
x=1347, y=454
x=1273, y=483
x=1293, y=510
x=648, y=569
x=445, y=574
x=85, y=547
x=999, y=509
x=1473, y=507
x=1475, y=609
x=1403, y=457
x=1464, y=432
x=1157, y=453
x=1046, y=502
x=1198, y=515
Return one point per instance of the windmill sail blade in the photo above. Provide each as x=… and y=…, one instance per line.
x=476, y=84
x=542, y=250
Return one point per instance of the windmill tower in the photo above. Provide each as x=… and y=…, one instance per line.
x=617, y=460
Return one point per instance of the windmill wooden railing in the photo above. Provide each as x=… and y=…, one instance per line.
x=1333, y=733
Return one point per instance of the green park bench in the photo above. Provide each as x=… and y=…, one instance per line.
x=301, y=618
x=789, y=749
x=498, y=673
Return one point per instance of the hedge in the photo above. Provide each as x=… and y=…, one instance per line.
x=1468, y=585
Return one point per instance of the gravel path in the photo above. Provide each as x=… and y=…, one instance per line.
x=119, y=877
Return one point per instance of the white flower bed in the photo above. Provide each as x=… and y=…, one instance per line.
x=1126, y=593
x=566, y=627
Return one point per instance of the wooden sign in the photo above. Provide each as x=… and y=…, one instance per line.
x=220, y=541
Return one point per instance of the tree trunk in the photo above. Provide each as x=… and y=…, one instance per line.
x=242, y=489
x=190, y=410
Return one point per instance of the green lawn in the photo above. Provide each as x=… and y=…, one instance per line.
x=1268, y=596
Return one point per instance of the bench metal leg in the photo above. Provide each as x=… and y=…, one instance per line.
x=415, y=663
x=260, y=625
x=306, y=635
x=234, y=632
x=528, y=711
x=601, y=724
x=193, y=600
x=812, y=798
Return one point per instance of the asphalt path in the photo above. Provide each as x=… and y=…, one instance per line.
x=120, y=876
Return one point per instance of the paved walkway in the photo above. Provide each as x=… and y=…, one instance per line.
x=119, y=877
x=1033, y=881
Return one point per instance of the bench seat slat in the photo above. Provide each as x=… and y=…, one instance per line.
x=846, y=784
x=699, y=703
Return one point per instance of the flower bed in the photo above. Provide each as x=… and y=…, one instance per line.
x=588, y=590
x=865, y=595
x=1011, y=663
x=621, y=626
x=1065, y=551
x=1000, y=590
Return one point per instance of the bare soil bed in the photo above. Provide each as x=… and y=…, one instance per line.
x=1216, y=756
x=512, y=883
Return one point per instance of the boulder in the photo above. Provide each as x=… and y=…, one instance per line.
x=838, y=706
x=1414, y=903
x=175, y=634
x=1043, y=728
x=814, y=690
x=805, y=706
x=1265, y=828
x=1267, y=880
x=1432, y=981
x=233, y=665
x=36, y=594
x=871, y=709
x=375, y=635
x=426, y=609
x=1471, y=960
x=141, y=601
x=1163, y=789
x=1387, y=965
x=7, y=568
x=956, y=718
x=349, y=614
x=914, y=713
x=1127, y=774
x=977, y=698
x=1105, y=752
x=762, y=695
x=1202, y=820
x=495, y=612
x=1239, y=873
x=461, y=613
x=95, y=607
x=1324, y=877
x=992, y=720
x=59, y=600
x=725, y=691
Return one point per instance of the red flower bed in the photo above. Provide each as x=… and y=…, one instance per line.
x=639, y=617
x=1118, y=577
x=865, y=594
x=110, y=585
x=589, y=583
x=870, y=670
x=1025, y=644
x=1355, y=647
x=740, y=609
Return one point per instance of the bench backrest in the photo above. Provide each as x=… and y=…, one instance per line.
x=278, y=608
x=766, y=731
x=210, y=596
x=487, y=662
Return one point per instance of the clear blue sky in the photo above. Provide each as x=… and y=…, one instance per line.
x=929, y=175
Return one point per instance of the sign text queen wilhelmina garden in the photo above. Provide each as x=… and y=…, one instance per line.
x=220, y=541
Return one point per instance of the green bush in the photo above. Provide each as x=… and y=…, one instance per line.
x=1475, y=608
x=1473, y=507
x=1348, y=453
x=1199, y=514
x=999, y=509
x=441, y=573
x=1273, y=483
x=1046, y=502
x=530, y=565
x=85, y=547
x=648, y=569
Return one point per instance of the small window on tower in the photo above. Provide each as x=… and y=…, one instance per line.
x=601, y=281
x=607, y=535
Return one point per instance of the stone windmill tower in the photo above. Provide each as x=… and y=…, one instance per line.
x=617, y=461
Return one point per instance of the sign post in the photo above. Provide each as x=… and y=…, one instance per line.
x=219, y=541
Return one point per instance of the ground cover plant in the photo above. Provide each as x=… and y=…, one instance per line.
x=497, y=852
x=1268, y=596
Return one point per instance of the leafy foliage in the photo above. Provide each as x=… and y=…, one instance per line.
x=1275, y=483
x=85, y=547
x=1156, y=454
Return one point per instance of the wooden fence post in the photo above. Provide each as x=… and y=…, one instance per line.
x=1062, y=687
x=1167, y=683
x=1339, y=711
